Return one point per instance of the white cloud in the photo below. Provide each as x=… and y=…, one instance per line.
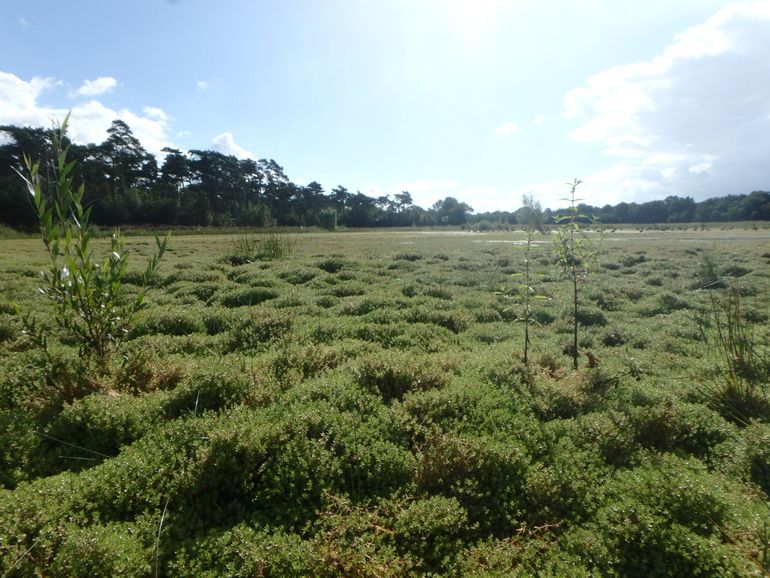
x=538, y=119
x=690, y=121
x=225, y=144
x=202, y=85
x=425, y=192
x=18, y=98
x=155, y=112
x=89, y=121
x=24, y=23
x=506, y=128
x=96, y=87
x=372, y=190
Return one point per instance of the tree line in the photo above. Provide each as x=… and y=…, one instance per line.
x=754, y=206
x=124, y=184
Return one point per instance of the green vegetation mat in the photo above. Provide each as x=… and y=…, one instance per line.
x=357, y=405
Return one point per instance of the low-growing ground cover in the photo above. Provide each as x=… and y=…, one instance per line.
x=360, y=407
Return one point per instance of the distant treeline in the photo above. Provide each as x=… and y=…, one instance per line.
x=125, y=185
x=752, y=207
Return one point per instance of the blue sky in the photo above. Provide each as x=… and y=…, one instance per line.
x=482, y=100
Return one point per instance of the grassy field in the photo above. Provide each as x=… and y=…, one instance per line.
x=360, y=407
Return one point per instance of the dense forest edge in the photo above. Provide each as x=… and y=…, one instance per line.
x=126, y=185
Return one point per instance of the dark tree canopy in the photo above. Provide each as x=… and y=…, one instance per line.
x=125, y=184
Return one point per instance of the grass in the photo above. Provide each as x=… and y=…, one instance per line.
x=361, y=407
x=740, y=377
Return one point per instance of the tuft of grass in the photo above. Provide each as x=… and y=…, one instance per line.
x=708, y=276
x=271, y=246
x=276, y=246
x=739, y=387
x=243, y=249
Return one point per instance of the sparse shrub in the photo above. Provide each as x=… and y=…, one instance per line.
x=631, y=260
x=348, y=289
x=143, y=371
x=591, y=317
x=327, y=331
x=244, y=552
x=289, y=300
x=394, y=374
x=478, y=407
x=298, y=276
x=454, y=321
x=9, y=308
x=483, y=314
x=746, y=455
x=113, y=550
x=565, y=486
x=610, y=433
x=615, y=338
x=632, y=293
x=605, y=299
x=439, y=293
x=363, y=306
x=431, y=530
x=407, y=257
x=736, y=270
x=217, y=320
x=347, y=275
x=327, y=301
x=754, y=315
x=198, y=292
x=678, y=426
x=485, y=475
x=333, y=264
x=424, y=337
x=668, y=518
x=8, y=329
x=668, y=303
x=493, y=333
x=555, y=400
x=543, y=316
x=246, y=296
x=414, y=536
x=384, y=334
x=260, y=326
x=191, y=276
x=299, y=362
x=174, y=321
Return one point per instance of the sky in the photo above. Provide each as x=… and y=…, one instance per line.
x=482, y=100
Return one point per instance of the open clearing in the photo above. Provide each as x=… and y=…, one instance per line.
x=360, y=408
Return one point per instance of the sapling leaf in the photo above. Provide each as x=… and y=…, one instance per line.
x=88, y=295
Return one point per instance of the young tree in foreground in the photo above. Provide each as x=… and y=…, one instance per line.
x=88, y=295
x=531, y=216
x=576, y=253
